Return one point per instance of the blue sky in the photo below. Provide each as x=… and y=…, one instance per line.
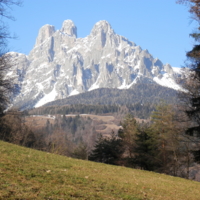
x=161, y=26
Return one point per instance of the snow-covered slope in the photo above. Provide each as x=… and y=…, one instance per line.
x=61, y=65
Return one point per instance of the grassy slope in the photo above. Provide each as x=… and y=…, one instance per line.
x=30, y=174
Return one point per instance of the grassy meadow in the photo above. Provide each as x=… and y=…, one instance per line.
x=27, y=174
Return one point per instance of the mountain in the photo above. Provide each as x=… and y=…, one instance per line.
x=61, y=65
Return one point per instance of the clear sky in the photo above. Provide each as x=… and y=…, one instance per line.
x=161, y=26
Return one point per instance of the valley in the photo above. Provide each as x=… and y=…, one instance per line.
x=107, y=123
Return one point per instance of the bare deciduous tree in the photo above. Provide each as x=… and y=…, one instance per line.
x=6, y=85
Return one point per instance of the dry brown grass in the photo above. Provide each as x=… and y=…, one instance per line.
x=107, y=122
x=36, y=122
x=30, y=174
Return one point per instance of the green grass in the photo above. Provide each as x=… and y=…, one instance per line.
x=29, y=174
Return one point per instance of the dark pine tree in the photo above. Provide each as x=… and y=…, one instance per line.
x=145, y=151
x=107, y=150
x=192, y=83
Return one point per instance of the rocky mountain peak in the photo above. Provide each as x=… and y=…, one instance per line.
x=102, y=26
x=103, y=33
x=45, y=32
x=168, y=69
x=69, y=28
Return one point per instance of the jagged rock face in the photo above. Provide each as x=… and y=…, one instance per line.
x=69, y=28
x=44, y=33
x=60, y=64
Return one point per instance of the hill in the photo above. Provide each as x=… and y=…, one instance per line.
x=108, y=96
x=30, y=174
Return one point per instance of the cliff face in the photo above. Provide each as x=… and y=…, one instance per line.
x=60, y=65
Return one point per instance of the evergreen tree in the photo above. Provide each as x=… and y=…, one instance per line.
x=107, y=150
x=145, y=151
x=191, y=98
x=166, y=133
x=81, y=152
x=128, y=134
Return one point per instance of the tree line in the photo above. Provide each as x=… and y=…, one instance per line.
x=162, y=145
x=142, y=111
x=61, y=135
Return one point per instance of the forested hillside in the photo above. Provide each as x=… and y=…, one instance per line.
x=139, y=94
x=138, y=110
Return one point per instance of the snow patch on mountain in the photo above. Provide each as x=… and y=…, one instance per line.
x=123, y=86
x=47, y=98
x=177, y=70
x=74, y=92
x=167, y=81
